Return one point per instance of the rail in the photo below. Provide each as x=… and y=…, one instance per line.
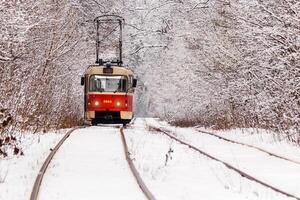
x=250, y=146
x=38, y=181
x=134, y=171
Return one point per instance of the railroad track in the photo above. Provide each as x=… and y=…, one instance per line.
x=226, y=164
x=38, y=182
x=134, y=171
x=250, y=146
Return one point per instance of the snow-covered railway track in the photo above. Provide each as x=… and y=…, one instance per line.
x=250, y=146
x=229, y=166
x=53, y=163
x=134, y=171
x=38, y=181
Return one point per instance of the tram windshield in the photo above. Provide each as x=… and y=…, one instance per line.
x=102, y=83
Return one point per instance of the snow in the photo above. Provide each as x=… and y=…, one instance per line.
x=279, y=173
x=268, y=140
x=91, y=165
x=184, y=176
x=17, y=174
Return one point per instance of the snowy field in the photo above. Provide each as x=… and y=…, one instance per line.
x=17, y=174
x=91, y=165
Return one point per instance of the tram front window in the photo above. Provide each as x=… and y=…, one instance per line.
x=102, y=83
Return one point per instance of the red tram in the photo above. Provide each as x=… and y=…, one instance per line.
x=108, y=94
x=108, y=86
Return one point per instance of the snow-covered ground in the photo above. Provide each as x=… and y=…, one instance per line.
x=172, y=171
x=264, y=139
x=91, y=165
x=17, y=174
x=279, y=173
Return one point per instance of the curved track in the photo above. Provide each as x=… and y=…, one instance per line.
x=38, y=181
x=39, y=178
x=229, y=166
x=250, y=146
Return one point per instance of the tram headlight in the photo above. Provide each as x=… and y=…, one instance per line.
x=118, y=104
x=96, y=103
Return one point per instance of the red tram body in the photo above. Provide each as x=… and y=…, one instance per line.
x=108, y=86
x=108, y=94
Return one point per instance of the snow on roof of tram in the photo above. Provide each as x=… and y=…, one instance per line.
x=96, y=69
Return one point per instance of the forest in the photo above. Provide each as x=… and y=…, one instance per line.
x=212, y=63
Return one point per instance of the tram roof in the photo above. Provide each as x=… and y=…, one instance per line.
x=96, y=69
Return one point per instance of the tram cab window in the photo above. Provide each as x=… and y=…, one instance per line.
x=102, y=83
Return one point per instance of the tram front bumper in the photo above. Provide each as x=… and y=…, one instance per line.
x=105, y=115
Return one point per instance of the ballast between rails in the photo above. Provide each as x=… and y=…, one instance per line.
x=38, y=181
x=134, y=171
x=229, y=166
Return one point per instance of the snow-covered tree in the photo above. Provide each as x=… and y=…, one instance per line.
x=211, y=62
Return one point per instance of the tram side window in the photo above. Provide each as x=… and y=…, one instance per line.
x=122, y=85
x=130, y=81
